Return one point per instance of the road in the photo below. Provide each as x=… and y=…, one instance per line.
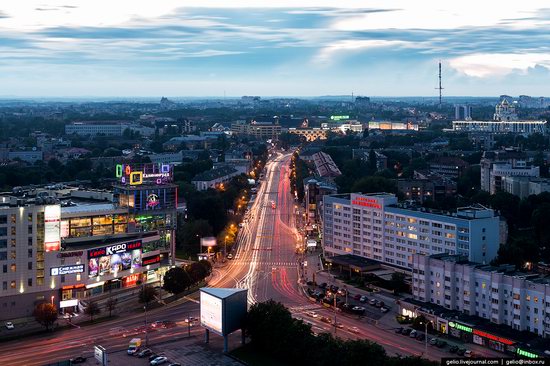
x=265, y=263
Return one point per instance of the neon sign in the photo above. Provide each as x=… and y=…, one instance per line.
x=338, y=118
x=493, y=337
x=523, y=353
x=153, y=200
x=366, y=202
x=460, y=327
x=138, y=174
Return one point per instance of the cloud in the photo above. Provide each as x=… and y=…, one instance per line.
x=498, y=64
x=354, y=45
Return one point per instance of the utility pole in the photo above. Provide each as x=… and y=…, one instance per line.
x=440, y=88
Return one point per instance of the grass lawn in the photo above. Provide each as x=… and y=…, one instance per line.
x=252, y=357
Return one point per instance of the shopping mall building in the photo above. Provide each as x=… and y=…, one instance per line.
x=68, y=244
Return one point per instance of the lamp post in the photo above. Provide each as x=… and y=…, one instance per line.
x=225, y=245
x=146, y=333
x=425, y=338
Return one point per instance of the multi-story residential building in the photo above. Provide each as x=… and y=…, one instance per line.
x=525, y=186
x=426, y=187
x=500, y=294
x=507, y=163
x=324, y=165
x=448, y=166
x=314, y=190
x=261, y=130
x=64, y=248
x=375, y=226
x=30, y=156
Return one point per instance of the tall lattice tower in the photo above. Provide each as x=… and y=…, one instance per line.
x=440, y=88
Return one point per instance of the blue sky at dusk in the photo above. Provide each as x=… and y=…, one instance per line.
x=295, y=48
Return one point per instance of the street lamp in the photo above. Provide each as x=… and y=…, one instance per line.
x=52, y=299
x=225, y=245
x=425, y=337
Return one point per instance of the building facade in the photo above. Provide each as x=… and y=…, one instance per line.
x=498, y=294
x=496, y=166
x=376, y=227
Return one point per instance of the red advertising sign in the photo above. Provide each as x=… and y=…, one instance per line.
x=151, y=260
x=493, y=337
x=366, y=202
x=112, y=249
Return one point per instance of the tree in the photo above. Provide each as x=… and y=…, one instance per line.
x=398, y=282
x=45, y=314
x=196, y=271
x=92, y=310
x=374, y=184
x=147, y=294
x=176, y=280
x=207, y=266
x=111, y=305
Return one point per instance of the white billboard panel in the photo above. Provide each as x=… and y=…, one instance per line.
x=211, y=312
x=52, y=232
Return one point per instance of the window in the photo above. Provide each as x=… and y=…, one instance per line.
x=29, y=253
x=29, y=282
x=30, y=240
x=29, y=265
x=5, y=268
x=13, y=267
x=12, y=284
x=4, y=285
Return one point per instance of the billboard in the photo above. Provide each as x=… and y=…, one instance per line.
x=66, y=270
x=52, y=234
x=211, y=312
x=114, y=258
x=209, y=241
x=68, y=303
x=150, y=260
x=339, y=118
x=150, y=173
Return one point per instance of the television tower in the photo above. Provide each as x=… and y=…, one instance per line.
x=440, y=88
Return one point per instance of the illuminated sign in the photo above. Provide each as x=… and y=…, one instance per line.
x=523, y=353
x=211, y=312
x=114, y=258
x=66, y=270
x=68, y=303
x=460, y=327
x=150, y=173
x=64, y=231
x=366, y=202
x=52, y=233
x=150, y=260
x=117, y=248
x=493, y=337
x=153, y=200
x=339, y=118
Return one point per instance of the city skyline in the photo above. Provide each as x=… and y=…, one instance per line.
x=302, y=48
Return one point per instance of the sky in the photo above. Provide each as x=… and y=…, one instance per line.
x=123, y=48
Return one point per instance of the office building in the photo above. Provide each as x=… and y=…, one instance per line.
x=60, y=247
x=523, y=187
x=214, y=178
x=499, y=294
x=324, y=165
x=426, y=187
x=497, y=165
x=261, y=130
x=375, y=226
x=95, y=128
x=448, y=166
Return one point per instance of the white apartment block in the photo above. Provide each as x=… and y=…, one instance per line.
x=493, y=172
x=376, y=227
x=523, y=187
x=94, y=129
x=499, y=294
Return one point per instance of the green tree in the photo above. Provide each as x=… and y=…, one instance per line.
x=111, y=305
x=176, y=280
x=92, y=309
x=197, y=272
x=45, y=314
x=147, y=294
x=374, y=184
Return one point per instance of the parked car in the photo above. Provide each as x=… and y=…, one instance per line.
x=175, y=364
x=379, y=304
x=399, y=330
x=440, y=343
x=421, y=337
x=453, y=349
x=153, y=356
x=358, y=297
x=9, y=325
x=468, y=353
x=406, y=331
x=461, y=351
x=384, y=309
x=433, y=341
x=230, y=256
x=145, y=353
x=363, y=299
x=323, y=285
x=78, y=359
x=413, y=334
x=372, y=302
x=159, y=361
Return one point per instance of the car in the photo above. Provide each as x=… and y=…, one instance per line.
x=421, y=337
x=157, y=324
x=78, y=359
x=440, y=343
x=461, y=351
x=357, y=297
x=379, y=304
x=372, y=302
x=354, y=330
x=9, y=325
x=468, y=353
x=406, y=331
x=159, y=361
x=146, y=352
x=324, y=319
x=230, y=256
x=433, y=341
x=175, y=364
x=153, y=356
x=312, y=314
x=384, y=309
x=399, y=330
x=341, y=292
x=339, y=325
x=453, y=349
x=413, y=334
x=358, y=308
x=363, y=299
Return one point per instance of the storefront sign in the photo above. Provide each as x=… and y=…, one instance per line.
x=460, y=327
x=493, y=337
x=68, y=303
x=523, y=353
x=137, y=174
x=130, y=280
x=114, y=258
x=117, y=248
x=153, y=200
x=66, y=270
x=70, y=254
x=150, y=260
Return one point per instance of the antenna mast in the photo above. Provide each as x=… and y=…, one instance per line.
x=440, y=88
